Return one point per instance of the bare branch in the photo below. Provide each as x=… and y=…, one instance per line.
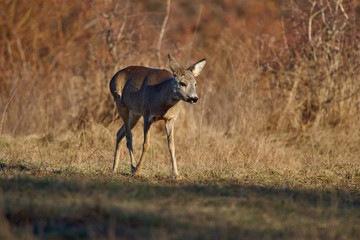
x=196, y=28
x=342, y=9
x=311, y=19
x=119, y=35
x=5, y=109
x=158, y=47
x=323, y=14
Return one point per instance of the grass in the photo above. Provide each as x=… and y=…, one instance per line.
x=53, y=189
x=52, y=207
x=271, y=151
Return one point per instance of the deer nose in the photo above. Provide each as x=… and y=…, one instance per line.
x=194, y=99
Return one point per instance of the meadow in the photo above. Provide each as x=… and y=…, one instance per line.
x=270, y=151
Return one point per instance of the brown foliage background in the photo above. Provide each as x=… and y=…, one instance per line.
x=271, y=148
x=273, y=66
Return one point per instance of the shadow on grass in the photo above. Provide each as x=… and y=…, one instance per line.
x=71, y=208
x=20, y=167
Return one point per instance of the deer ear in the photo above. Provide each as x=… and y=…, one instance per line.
x=175, y=66
x=196, y=68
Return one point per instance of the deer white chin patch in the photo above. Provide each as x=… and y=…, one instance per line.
x=190, y=101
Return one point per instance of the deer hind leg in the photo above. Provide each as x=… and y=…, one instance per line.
x=169, y=127
x=130, y=120
x=130, y=124
x=146, y=144
x=124, y=113
x=119, y=136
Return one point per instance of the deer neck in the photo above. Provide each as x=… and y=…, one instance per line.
x=172, y=98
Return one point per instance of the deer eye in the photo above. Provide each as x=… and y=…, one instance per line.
x=183, y=84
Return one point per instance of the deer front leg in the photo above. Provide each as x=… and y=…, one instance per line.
x=146, y=144
x=169, y=127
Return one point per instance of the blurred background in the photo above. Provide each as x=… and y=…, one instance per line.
x=272, y=66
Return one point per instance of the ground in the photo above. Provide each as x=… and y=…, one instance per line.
x=53, y=189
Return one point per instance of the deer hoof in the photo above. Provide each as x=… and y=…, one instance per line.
x=177, y=177
x=136, y=171
x=133, y=169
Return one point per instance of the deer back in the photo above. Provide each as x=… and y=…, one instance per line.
x=143, y=90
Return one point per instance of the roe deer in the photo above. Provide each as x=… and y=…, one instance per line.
x=154, y=94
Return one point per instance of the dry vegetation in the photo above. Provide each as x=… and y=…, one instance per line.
x=270, y=151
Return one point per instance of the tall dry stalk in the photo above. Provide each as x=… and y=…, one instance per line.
x=162, y=32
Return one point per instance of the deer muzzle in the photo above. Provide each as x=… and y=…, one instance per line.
x=193, y=99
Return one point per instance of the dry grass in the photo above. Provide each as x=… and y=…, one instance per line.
x=270, y=151
x=290, y=186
